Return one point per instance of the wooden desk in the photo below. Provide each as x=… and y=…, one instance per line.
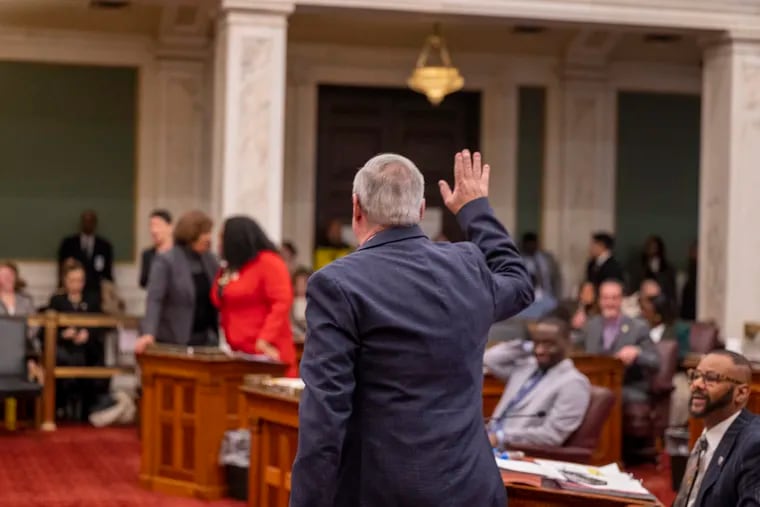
x=187, y=404
x=272, y=418
x=696, y=426
x=603, y=371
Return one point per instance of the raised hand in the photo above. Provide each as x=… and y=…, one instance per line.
x=470, y=181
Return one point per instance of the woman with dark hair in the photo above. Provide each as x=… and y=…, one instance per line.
x=254, y=294
x=655, y=265
x=178, y=308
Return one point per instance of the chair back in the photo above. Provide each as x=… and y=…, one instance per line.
x=662, y=381
x=703, y=337
x=599, y=408
x=13, y=346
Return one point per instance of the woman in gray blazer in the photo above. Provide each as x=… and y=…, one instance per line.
x=15, y=302
x=179, y=309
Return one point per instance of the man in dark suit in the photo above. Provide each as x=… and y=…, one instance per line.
x=612, y=333
x=161, y=234
x=603, y=265
x=391, y=414
x=93, y=252
x=724, y=467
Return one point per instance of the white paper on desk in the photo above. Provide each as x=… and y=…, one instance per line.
x=616, y=480
x=528, y=467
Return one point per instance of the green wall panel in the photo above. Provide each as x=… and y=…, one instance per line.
x=658, y=143
x=531, y=127
x=67, y=143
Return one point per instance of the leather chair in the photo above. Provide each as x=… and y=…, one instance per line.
x=649, y=420
x=703, y=337
x=14, y=382
x=580, y=445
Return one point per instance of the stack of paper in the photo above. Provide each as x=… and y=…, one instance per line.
x=606, y=480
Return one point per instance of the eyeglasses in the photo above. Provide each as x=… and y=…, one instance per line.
x=709, y=377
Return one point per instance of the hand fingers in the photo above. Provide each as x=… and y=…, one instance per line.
x=445, y=190
x=467, y=164
x=477, y=170
x=458, y=168
x=486, y=175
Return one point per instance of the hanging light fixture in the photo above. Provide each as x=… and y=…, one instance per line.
x=435, y=81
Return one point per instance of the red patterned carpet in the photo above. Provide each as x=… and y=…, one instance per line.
x=88, y=467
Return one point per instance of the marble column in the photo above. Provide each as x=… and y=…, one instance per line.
x=729, y=246
x=249, y=111
x=579, y=182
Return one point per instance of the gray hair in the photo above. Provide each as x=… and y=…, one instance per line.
x=390, y=190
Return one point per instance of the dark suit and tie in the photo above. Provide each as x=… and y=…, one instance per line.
x=608, y=338
x=94, y=253
x=391, y=414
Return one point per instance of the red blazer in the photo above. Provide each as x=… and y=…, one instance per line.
x=256, y=304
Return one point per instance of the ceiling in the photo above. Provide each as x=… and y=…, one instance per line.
x=364, y=28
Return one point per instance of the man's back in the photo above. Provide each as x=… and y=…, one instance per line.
x=393, y=363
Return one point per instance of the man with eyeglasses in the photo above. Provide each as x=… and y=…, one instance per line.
x=724, y=466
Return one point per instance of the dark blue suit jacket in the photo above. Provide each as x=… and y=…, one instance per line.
x=391, y=415
x=733, y=474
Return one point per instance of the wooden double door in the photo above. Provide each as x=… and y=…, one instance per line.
x=357, y=123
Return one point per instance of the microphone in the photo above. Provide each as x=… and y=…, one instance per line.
x=540, y=413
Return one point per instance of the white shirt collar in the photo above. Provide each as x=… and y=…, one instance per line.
x=603, y=258
x=715, y=434
x=656, y=333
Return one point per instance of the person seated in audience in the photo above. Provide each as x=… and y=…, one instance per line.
x=543, y=304
x=161, y=233
x=298, y=314
x=254, y=294
x=541, y=265
x=724, y=467
x=612, y=333
x=585, y=307
x=658, y=312
x=546, y=397
x=77, y=346
x=603, y=265
x=178, y=309
x=93, y=252
x=15, y=302
x=648, y=288
x=331, y=246
x=655, y=265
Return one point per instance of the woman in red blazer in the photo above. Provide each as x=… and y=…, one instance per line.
x=254, y=294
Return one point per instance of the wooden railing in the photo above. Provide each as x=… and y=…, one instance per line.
x=50, y=321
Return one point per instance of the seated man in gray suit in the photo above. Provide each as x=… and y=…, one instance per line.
x=546, y=397
x=613, y=334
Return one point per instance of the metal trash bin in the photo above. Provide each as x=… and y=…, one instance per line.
x=235, y=457
x=677, y=447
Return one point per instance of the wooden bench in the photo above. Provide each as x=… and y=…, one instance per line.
x=50, y=321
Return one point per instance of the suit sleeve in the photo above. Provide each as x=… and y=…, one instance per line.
x=564, y=417
x=648, y=357
x=502, y=359
x=144, y=269
x=108, y=268
x=748, y=484
x=279, y=292
x=158, y=284
x=327, y=369
x=512, y=287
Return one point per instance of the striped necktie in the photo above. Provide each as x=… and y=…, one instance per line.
x=692, y=476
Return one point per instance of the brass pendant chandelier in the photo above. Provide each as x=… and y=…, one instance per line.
x=435, y=81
